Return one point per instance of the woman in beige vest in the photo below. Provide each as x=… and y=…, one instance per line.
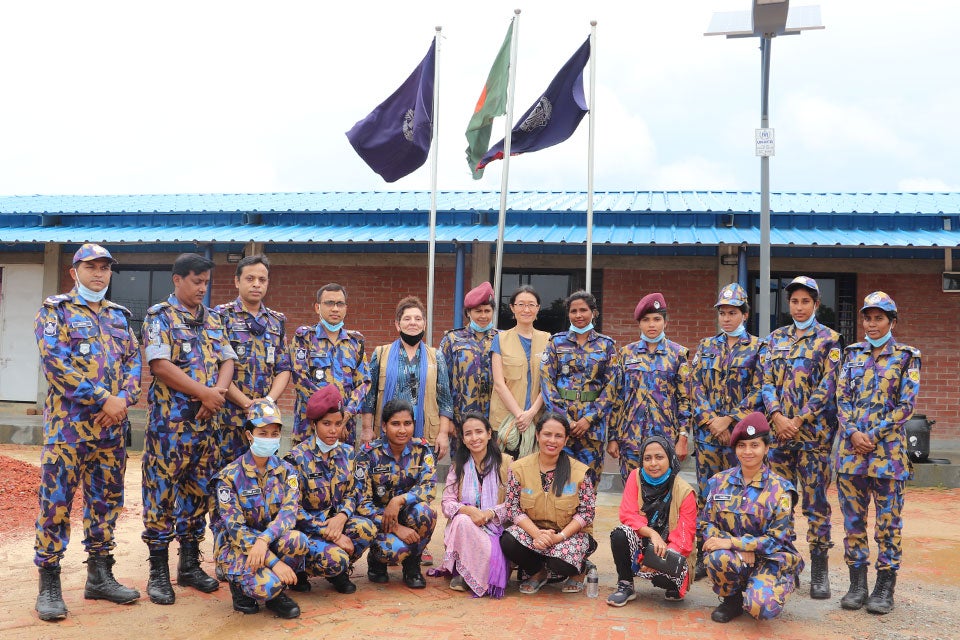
x=515, y=357
x=658, y=510
x=551, y=500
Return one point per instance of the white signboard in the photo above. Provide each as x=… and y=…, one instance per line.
x=765, y=142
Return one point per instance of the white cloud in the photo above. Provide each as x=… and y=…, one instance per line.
x=925, y=184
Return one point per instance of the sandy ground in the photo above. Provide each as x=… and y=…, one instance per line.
x=928, y=591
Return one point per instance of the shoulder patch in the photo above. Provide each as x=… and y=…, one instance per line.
x=914, y=375
x=292, y=481
x=684, y=369
x=835, y=354
x=786, y=502
x=224, y=493
x=50, y=327
x=359, y=473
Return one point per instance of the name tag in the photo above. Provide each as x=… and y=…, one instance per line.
x=314, y=475
x=722, y=497
x=81, y=324
x=251, y=492
x=381, y=469
x=564, y=349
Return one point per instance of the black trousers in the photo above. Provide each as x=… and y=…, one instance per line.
x=620, y=549
x=532, y=561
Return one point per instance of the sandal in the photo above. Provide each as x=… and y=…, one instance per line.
x=532, y=585
x=572, y=585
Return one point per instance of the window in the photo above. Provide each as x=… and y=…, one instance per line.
x=837, y=302
x=553, y=286
x=138, y=289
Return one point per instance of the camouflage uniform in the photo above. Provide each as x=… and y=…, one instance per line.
x=252, y=507
x=580, y=382
x=413, y=477
x=652, y=395
x=800, y=380
x=261, y=347
x=876, y=396
x=757, y=517
x=86, y=357
x=316, y=362
x=331, y=484
x=467, y=354
x=179, y=450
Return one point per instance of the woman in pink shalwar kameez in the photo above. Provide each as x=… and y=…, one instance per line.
x=473, y=502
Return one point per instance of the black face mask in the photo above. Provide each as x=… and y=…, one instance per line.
x=411, y=340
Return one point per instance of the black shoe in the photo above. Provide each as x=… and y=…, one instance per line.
x=158, y=586
x=342, y=583
x=881, y=600
x=189, y=573
x=50, y=605
x=101, y=585
x=857, y=595
x=241, y=601
x=729, y=608
x=303, y=583
x=377, y=571
x=819, y=574
x=700, y=570
x=624, y=594
x=284, y=606
x=411, y=573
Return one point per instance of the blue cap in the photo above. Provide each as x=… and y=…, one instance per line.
x=732, y=294
x=261, y=413
x=879, y=300
x=89, y=251
x=803, y=281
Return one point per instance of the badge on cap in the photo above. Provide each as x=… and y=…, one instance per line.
x=728, y=293
x=656, y=304
x=267, y=409
x=874, y=298
x=751, y=430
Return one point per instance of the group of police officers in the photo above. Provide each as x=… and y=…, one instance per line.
x=217, y=374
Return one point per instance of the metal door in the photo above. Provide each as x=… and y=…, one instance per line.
x=20, y=297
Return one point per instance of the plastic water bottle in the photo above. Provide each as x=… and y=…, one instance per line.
x=593, y=582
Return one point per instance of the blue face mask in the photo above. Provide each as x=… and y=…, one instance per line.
x=478, y=328
x=736, y=333
x=803, y=326
x=581, y=331
x=264, y=447
x=659, y=338
x=327, y=448
x=882, y=340
x=331, y=327
x=654, y=481
x=89, y=294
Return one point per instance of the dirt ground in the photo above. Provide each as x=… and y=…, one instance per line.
x=927, y=591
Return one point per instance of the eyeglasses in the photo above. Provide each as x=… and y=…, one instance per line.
x=526, y=306
x=334, y=304
x=414, y=386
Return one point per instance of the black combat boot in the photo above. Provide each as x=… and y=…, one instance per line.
x=377, y=571
x=856, y=596
x=158, y=586
x=189, y=573
x=303, y=582
x=411, y=572
x=342, y=583
x=729, y=608
x=284, y=606
x=881, y=600
x=50, y=605
x=819, y=574
x=241, y=601
x=101, y=585
x=699, y=570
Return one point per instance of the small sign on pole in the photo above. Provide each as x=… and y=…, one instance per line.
x=765, y=142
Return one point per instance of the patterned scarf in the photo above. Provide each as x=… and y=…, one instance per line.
x=486, y=496
x=390, y=385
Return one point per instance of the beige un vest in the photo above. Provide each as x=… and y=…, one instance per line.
x=515, y=367
x=546, y=509
x=431, y=410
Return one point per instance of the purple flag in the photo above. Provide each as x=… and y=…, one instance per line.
x=554, y=116
x=394, y=140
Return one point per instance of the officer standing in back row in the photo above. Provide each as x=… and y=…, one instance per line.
x=91, y=360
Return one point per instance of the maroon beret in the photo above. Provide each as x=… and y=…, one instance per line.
x=324, y=400
x=650, y=303
x=482, y=294
x=753, y=426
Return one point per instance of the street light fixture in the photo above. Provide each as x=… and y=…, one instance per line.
x=768, y=19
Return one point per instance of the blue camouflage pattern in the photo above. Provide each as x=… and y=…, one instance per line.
x=469, y=370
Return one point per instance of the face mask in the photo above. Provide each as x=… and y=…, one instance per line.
x=736, y=333
x=411, y=340
x=264, y=447
x=331, y=327
x=882, y=340
x=478, y=328
x=581, y=331
x=659, y=338
x=654, y=481
x=89, y=294
x=803, y=326
x=327, y=448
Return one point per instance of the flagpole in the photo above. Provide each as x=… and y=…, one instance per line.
x=505, y=175
x=431, y=260
x=593, y=96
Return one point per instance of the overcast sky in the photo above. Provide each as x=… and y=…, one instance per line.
x=204, y=96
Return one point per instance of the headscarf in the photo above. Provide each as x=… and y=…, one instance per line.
x=657, y=497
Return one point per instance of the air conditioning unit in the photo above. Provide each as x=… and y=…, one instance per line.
x=951, y=281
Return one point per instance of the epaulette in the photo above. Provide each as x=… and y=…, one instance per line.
x=277, y=314
x=561, y=334
x=912, y=350
x=122, y=309
x=57, y=300
x=304, y=330
x=356, y=335
x=157, y=308
x=420, y=441
x=856, y=346
x=220, y=308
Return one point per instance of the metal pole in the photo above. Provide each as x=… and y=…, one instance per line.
x=593, y=95
x=458, y=286
x=432, y=252
x=764, y=305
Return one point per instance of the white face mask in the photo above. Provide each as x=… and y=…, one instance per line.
x=89, y=294
x=264, y=447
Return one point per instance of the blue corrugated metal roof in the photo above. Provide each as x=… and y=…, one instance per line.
x=621, y=218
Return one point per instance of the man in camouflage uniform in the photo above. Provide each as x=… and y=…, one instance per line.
x=91, y=361
x=192, y=364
